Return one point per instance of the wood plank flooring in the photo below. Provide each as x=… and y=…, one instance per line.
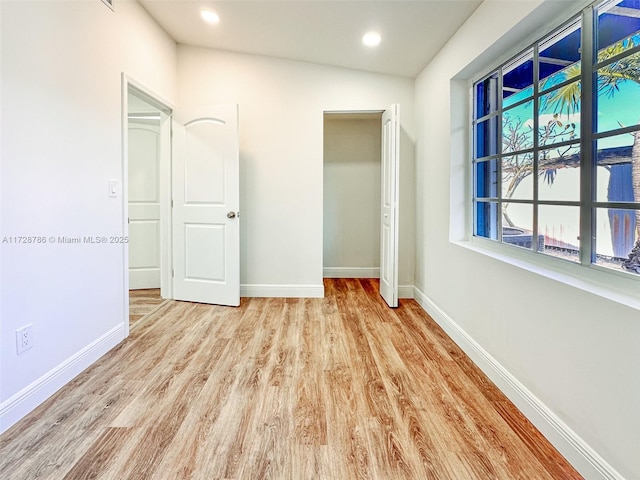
x=336, y=388
x=143, y=302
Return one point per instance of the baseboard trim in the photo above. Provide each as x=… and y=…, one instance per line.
x=27, y=399
x=351, y=272
x=405, y=291
x=583, y=458
x=282, y=291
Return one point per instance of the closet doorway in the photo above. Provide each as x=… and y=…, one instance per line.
x=352, y=194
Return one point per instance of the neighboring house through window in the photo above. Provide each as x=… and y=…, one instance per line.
x=556, y=143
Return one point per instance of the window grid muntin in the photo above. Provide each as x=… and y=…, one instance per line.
x=588, y=110
x=613, y=133
x=573, y=23
x=615, y=58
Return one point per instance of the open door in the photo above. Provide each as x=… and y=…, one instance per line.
x=144, y=201
x=206, y=225
x=389, y=210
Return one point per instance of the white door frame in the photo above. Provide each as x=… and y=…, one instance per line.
x=166, y=108
x=366, y=111
x=349, y=272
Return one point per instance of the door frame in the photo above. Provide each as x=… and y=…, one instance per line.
x=129, y=84
x=357, y=111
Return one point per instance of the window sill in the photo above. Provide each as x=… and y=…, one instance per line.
x=611, y=285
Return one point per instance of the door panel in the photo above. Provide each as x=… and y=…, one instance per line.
x=206, y=201
x=205, y=255
x=144, y=204
x=205, y=163
x=389, y=211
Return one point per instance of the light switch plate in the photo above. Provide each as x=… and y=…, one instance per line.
x=114, y=188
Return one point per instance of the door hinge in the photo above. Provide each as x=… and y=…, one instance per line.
x=172, y=203
x=173, y=273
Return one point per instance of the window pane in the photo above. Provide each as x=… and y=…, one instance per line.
x=486, y=221
x=517, y=128
x=561, y=75
x=618, y=27
x=486, y=138
x=559, y=170
x=516, y=177
x=486, y=96
x=616, y=236
x=619, y=94
x=559, y=116
x=613, y=175
x=560, y=226
x=517, y=228
x=557, y=52
x=486, y=179
x=517, y=80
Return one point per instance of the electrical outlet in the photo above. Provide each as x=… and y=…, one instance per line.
x=24, y=338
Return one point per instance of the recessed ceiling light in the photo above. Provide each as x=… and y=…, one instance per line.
x=209, y=16
x=371, y=39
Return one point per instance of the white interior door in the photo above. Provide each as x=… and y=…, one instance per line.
x=389, y=211
x=144, y=203
x=206, y=224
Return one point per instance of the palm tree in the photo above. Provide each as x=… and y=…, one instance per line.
x=609, y=77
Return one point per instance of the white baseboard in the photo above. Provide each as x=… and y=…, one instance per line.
x=405, y=291
x=27, y=399
x=351, y=272
x=282, y=291
x=583, y=458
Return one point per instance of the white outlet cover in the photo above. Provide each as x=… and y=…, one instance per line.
x=24, y=338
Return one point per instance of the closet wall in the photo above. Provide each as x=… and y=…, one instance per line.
x=352, y=195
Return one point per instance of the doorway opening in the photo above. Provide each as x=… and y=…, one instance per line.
x=352, y=194
x=146, y=191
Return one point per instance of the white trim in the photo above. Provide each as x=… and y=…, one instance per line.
x=129, y=84
x=27, y=399
x=304, y=291
x=351, y=272
x=282, y=291
x=583, y=457
x=619, y=287
x=406, y=291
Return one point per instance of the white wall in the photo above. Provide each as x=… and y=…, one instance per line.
x=281, y=160
x=61, y=143
x=352, y=189
x=567, y=357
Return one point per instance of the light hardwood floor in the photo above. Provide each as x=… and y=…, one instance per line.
x=287, y=389
x=143, y=302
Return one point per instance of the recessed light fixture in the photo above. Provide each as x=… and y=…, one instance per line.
x=209, y=16
x=371, y=39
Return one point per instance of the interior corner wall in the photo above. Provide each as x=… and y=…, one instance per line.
x=61, y=144
x=281, y=105
x=574, y=352
x=352, y=195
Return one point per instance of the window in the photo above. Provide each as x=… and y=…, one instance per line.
x=556, y=143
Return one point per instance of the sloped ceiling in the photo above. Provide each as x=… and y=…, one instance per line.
x=320, y=31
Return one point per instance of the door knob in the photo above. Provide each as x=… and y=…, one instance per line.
x=231, y=215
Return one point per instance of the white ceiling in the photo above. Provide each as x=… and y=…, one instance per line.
x=327, y=32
